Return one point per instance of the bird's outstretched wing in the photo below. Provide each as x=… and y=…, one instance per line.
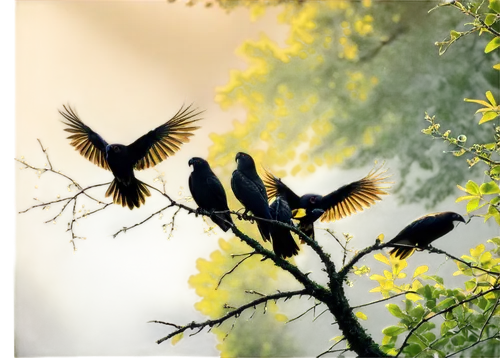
x=85, y=140
x=164, y=141
x=275, y=187
x=354, y=197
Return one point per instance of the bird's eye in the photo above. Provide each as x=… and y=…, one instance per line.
x=312, y=199
x=116, y=149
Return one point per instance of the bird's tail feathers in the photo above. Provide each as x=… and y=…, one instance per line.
x=223, y=221
x=401, y=253
x=283, y=243
x=132, y=194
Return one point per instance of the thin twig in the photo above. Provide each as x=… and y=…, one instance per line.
x=234, y=268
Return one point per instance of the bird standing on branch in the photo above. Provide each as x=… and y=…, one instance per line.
x=422, y=232
x=145, y=152
x=250, y=191
x=283, y=243
x=345, y=201
x=208, y=192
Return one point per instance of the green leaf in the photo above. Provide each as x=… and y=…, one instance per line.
x=472, y=188
x=458, y=340
x=492, y=45
x=495, y=170
x=393, y=330
x=361, y=315
x=447, y=302
x=412, y=350
x=488, y=116
x=420, y=270
x=490, y=98
x=495, y=240
x=395, y=310
x=490, y=19
x=489, y=188
x=494, y=5
x=176, y=338
x=472, y=205
x=417, y=312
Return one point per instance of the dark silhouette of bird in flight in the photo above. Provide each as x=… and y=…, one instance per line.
x=208, y=192
x=283, y=243
x=145, y=152
x=338, y=204
x=250, y=191
x=423, y=231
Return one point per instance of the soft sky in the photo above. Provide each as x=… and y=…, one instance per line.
x=126, y=67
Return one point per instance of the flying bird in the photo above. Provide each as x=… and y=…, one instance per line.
x=283, y=243
x=423, y=231
x=208, y=192
x=338, y=204
x=145, y=152
x=250, y=191
x=306, y=220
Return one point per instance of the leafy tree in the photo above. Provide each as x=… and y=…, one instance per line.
x=355, y=79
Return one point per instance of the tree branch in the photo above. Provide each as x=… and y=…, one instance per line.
x=236, y=312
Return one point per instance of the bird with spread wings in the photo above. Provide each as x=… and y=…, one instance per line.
x=146, y=152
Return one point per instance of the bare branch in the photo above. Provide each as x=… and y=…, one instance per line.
x=383, y=299
x=234, y=268
x=305, y=312
x=236, y=312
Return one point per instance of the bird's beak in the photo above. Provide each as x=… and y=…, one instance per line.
x=298, y=213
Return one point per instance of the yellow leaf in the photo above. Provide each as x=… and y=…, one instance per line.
x=497, y=66
x=413, y=297
x=478, y=101
x=177, y=338
x=420, y=270
x=382, y=258
x=490, y=97
x=380, y=238
x=361, y=315
x=478, y=250
x=280, y=317
x=376, y=289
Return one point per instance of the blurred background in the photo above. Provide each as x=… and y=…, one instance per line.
x=319, y=93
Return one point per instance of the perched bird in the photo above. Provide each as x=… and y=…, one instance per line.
x=283, y=243
x=250, y=191
x=209, y=193
x=145, y=152
x=306, y=220
x=345, y=201
x=423, y=231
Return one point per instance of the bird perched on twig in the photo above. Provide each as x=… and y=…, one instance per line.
x=209, y=193
x=250, y=191
x=283, y=243
x=423, y=231
x=145, y=152
x=338, y=204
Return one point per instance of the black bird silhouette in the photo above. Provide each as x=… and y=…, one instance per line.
x=209, y=193
x=343, y=202
x=423, y=231
x=250, y=191
x=283, y=243
x=145, y=152
x=306, y=220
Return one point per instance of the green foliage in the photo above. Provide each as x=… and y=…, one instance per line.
x=355, y=77
x=469, y=315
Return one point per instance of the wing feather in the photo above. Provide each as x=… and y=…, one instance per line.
x=355, y=197
x=87, y=142
x=162, y=142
